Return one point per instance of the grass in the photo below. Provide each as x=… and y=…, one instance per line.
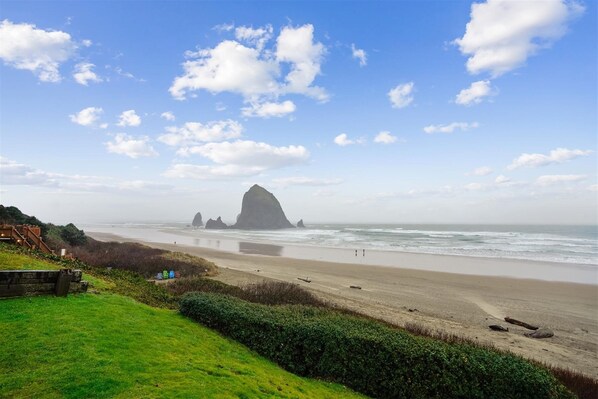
x=109, y=345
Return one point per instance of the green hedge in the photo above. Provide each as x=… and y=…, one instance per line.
x=369, y=357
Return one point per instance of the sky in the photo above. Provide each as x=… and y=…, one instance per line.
x=349, y=112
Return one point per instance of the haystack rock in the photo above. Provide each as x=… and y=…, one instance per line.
x=216, y=224
x=261, y=210
x=197, y=222
x=300, y=224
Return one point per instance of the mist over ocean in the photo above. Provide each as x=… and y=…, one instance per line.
x=563, y=244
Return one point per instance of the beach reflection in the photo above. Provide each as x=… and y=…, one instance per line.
x=252, y=248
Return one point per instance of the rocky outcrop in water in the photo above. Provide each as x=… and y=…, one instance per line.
x=197, y=222
x=300, y=224
x=216, y=224
x=261, y=210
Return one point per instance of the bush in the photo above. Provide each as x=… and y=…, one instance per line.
x=368, y=356
x=141, y=259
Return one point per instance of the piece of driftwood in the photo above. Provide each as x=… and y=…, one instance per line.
x=355, y=287
x=496, y=327
x=307, y=280
x=520, y=323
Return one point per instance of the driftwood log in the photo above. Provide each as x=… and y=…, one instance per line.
x=355, y=287
x=307, y=280
x=520, y=323
x=496, y=327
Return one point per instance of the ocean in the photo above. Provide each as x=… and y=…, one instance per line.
x=562, y=244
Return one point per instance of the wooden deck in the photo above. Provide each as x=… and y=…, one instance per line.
x=24, y=235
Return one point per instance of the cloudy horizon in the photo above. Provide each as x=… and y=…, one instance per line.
x=366, y=113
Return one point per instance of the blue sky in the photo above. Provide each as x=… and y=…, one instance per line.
x=407, y=112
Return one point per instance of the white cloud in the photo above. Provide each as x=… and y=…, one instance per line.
x=502, y=34
x=343, y=140
x=593, y=187
x=450, y=128
x=255, y=72
x=257, y=37
x=269, y=109
x=548, y=180
x=559, y=155
x=502, y=179
x=402, y=95
x=83, y=74
x=385, y=138
x=359, y=54
x=237, y=159
x=13, y=173
x=250, y=153
x=87, y=116
x=481, y=171
x=195, y=132
x=23, y=46
x=129, y=118
x=305, y=181
x=169, y=116
x=297, y=47
x=475, y=93
x=223, y=27
x=130, y=146
x=86, y=43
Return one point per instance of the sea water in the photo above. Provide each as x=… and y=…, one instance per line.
x=563, y=244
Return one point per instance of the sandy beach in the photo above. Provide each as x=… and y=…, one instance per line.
x=463, y=304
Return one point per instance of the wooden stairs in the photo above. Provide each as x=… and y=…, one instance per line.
x=25, y=236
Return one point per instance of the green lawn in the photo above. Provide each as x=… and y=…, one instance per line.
x=107, y=345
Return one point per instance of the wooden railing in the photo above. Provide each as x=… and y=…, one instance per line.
x=25, y=236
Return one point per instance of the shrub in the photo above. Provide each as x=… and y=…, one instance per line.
x=369, y=356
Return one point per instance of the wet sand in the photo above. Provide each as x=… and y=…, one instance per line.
x=462, y=304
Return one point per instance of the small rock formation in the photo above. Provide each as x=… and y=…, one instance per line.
x=261, y=210
x=197, y=222
x=541, y=333
x=216, y=224
x=300, y=224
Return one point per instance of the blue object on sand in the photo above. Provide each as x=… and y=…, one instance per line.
x=171, y=274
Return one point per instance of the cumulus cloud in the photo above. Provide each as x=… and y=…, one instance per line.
x=83, y=74
x=473, y=186
x=450, y=128
x=237, y=159
x=558, y=155
x=360, y=55
x=475, y=93
x=385, y=138
x=502, y=34
x=252, y=70
x=549, y=180
x=24, y=46
x=481, y=171
x=192, y=133
x=257, y=37
x=132, y=147
x=87, y=116
x=129, y=118
x=169, y=116
x=343, y=140
x=402, y=95
x=305, y=181
x=269, y=109
x=502, y=179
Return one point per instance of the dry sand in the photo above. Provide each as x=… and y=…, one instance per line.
x=456, y=303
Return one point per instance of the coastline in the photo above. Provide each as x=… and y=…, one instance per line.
x=459, y=264
x=461, y=304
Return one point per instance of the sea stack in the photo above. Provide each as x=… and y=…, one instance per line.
x=261, y=210
x=300, y=224
x=216, y=224
x=197, y=222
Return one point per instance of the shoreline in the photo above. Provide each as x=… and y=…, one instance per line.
x=460, y=304
x=449, y=263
